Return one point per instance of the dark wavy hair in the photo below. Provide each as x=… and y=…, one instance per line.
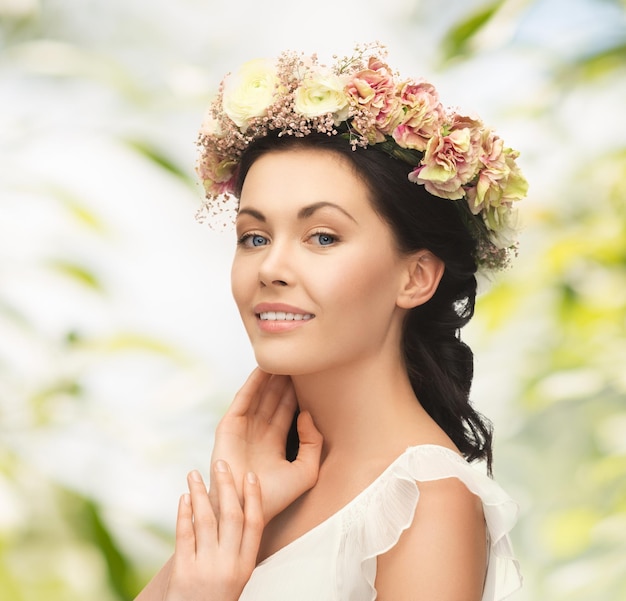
x=440, y=366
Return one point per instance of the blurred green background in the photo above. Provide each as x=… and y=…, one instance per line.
x=120, y=347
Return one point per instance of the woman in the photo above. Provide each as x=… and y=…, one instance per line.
x=341, y=469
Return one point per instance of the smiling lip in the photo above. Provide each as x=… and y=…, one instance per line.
x=278, y=317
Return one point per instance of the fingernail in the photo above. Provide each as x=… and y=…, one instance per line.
x=251, y=476
x=221, y=466
x=186, y=499
x=195, y=475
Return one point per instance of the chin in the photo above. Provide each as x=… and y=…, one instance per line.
x=274, y=369
x=275, y=366
x=281, y=365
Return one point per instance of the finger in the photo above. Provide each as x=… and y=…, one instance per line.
x=247, y=398
x=204, y=521
x=185, y=546
x=273, y=395
x=285, y=409
x=214, y=500
x=253, y=521
x=307, y=462
x=230, y=524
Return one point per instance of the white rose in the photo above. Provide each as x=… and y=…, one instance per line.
x=250, y=92
x=321, y=93
x=210, y=126
x=503, y=223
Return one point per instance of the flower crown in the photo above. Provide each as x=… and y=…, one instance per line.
x=453, y=155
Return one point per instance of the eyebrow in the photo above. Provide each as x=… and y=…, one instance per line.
x=253, y=213
x=303, y=213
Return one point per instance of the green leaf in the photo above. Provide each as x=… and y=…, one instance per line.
x=77, y=209
x=129, y=341
x=45, y=401
x=596, y=65
x=457, y=41
x=78, y=273
x=13, y=314
x=156, y=156
x=119, y=569
x=567, y=532
x=85, y=519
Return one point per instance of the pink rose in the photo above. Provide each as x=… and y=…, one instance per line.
x=423, y=115
x=450, y=161
x=217, y=176
x=374, y=93
x=500, y=181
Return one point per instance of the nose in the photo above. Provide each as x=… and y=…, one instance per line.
x=275, y=269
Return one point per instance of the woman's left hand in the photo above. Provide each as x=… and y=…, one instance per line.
x=215, y=552
x=251, y=437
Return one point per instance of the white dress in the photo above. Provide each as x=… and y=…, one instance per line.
x=336, y=560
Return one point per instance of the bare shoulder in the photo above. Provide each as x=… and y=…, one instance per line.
x=443, y=554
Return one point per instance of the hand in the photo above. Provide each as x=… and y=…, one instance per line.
x=214, y=557
x=252, y=436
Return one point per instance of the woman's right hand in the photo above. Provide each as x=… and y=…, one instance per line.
x=251, y=437
x=215, y=551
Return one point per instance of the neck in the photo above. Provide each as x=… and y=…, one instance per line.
x=367, y=409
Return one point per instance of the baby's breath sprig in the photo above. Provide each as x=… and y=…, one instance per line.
x=455, y=156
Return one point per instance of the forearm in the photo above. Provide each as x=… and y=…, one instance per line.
x=156, y=588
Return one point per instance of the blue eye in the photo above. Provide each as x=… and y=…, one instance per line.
x=324, y=239
x=252, y=240
x=257, y=240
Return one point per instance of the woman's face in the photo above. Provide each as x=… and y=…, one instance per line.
x=316, y=273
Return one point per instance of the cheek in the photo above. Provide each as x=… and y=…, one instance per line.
x=238, y=283
x=366, y=280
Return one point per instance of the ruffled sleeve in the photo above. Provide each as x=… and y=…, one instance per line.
x=375, y=524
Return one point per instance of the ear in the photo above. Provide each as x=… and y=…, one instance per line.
x=423, y=273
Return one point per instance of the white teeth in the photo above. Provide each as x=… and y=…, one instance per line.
x=282, y=316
